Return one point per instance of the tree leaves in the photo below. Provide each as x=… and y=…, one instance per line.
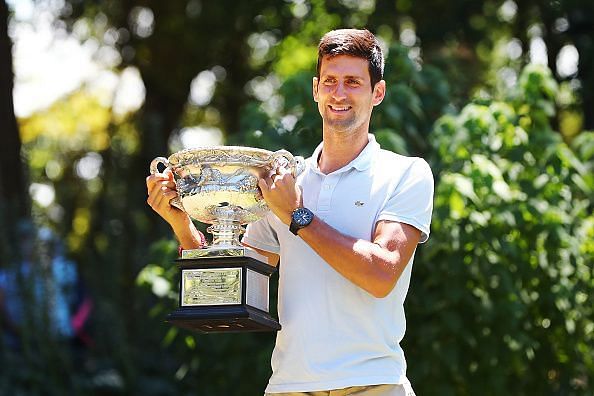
x=512, y=232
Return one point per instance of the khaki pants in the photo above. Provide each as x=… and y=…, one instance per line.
x=370, y=390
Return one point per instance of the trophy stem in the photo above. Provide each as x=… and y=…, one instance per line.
x=225, y=233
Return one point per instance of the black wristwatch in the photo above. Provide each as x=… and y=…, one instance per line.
x=300, y=218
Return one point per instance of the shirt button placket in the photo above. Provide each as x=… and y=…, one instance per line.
x=325, y=198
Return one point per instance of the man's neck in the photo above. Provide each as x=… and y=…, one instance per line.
x=339, y=149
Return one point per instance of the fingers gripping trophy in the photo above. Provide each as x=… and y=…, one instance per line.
x=224, y=286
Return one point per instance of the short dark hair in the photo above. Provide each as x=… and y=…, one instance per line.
x=353, y=42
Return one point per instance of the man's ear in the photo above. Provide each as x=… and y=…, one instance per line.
x=315, y=88
x=379, y=92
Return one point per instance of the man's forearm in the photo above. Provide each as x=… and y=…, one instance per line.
x=376, y=265
x=187, y=234
x=371, y=266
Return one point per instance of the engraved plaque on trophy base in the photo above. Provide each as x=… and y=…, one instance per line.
x=224, y=294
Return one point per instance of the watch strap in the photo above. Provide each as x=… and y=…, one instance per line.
x=294, y=228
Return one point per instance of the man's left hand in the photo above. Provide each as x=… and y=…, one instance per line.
x=281, y=194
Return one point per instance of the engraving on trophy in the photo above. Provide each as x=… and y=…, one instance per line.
x=217, y=286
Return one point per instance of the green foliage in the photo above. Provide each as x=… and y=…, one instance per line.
x=415, y=97
x=501, y=297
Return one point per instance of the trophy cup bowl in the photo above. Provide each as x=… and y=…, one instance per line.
x=224, y=286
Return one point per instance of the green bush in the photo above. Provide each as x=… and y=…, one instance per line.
x=501, y=295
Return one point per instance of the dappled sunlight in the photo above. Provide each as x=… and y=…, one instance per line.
x=75, y=122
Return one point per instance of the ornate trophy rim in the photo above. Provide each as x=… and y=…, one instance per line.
x=221, y=155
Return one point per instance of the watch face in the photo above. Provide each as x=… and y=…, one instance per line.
x=302, y=216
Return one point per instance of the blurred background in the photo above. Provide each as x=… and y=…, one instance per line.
x=497, y=95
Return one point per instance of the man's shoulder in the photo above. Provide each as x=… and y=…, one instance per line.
x=387, y=158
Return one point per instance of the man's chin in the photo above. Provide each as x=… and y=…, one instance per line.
x=341, y=125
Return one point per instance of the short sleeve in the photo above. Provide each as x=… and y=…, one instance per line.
x=412, y=199
x=261, y=235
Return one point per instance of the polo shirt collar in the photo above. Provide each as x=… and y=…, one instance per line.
x=361, y=162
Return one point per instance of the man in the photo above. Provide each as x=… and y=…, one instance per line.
x=346, y=231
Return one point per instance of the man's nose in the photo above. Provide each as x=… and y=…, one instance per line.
x=339, y=92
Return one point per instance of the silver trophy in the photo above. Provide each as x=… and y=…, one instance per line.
x=224, y=285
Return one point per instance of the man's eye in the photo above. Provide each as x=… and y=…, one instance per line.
x=329, y=81
x=353, y=82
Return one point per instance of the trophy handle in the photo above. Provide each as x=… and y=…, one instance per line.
x=155, y=163
x=176, y=202
x=284, y=159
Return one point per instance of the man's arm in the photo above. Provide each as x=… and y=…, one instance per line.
x=375, y=265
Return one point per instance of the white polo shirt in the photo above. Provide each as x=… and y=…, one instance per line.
x=335, y=334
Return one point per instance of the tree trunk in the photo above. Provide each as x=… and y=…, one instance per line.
x=14, y=197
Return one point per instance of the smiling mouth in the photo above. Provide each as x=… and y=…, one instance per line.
x=339, y=109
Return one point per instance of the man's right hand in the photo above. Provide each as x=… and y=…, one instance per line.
x=161, y=190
